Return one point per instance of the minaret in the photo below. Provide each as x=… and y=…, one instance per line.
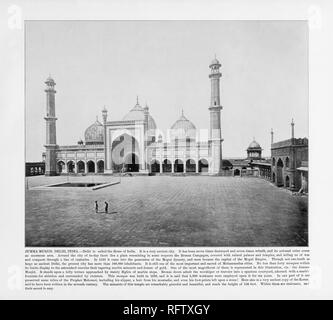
x=105, y=117
x=215, y=118
x=146, y=113
x=272, y=136
x=51, y=136
x=292, y=129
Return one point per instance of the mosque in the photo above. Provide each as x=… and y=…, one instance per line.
x=134, y=144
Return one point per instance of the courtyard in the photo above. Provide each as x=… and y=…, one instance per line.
x=164, y=211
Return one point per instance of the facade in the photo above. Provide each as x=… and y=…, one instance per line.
x=133, y=144
x=289, y=162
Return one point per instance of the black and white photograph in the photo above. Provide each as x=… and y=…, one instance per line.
x=166, y=133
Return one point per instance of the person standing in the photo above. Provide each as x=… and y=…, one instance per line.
x=106, y=207
x=96, y=206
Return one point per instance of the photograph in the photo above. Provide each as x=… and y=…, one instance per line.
x=166, y=133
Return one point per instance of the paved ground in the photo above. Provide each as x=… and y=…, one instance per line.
x=165, y=211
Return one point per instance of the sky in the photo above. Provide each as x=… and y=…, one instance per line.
x=264, y=80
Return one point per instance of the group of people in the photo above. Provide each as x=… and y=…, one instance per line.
x=106, y=208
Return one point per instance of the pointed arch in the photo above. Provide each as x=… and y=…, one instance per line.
x=190, y=165
x=100, y=166
x=70, y=166
x=91, y=166
x=203, y=165
x=80, y=166
x=179, y=165
x=166, y=166
x=125, y=153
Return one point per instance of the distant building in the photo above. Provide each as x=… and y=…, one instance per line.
x=253, y=165
x=289, y=162
x=254, y=151
x=34, y=168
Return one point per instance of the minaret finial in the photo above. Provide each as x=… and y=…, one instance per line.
x=182, y=112
x=292, y=128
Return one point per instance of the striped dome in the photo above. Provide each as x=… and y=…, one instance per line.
x=183, y=124
x=94, y=134
x=183, y=129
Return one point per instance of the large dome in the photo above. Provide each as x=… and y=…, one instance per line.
x=254, y=145
x=183, y=124
x=183, y=128
x=137, y=114
x=94, y=134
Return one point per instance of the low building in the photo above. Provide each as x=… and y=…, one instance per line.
x=249, y=166
x=34, y=168
x=264, y=168
x=304, y=170
x=287, y=158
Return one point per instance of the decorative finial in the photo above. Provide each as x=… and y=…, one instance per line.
x=137, y=100
x=96, y=118
x=292, y=128
x=182, y=112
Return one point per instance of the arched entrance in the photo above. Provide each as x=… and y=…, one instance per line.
x=70, y=167
x=125, y=154
x=236, y=172
x=167, y=166
x=80, y=167
x=203, y=165
x=61, y=166
x=155, y=166
x=179, y=166
x=131, y=163
x=190, y=165
x=100, y=166
x=279, y=173
x=91, y=166
x=287, y=184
